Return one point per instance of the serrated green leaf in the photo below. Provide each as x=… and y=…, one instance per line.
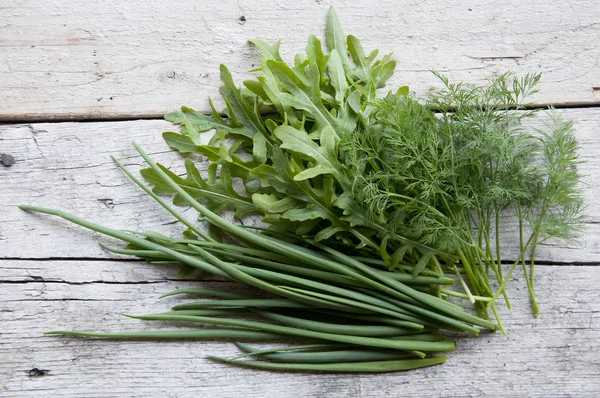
x=244, y=111
x=300, y=61
x=327, y=192
x=283, y=205
x=255, y=87
x=324, y=156
x=191, y=130
x=404, y=90
x=193, y=174
x=203, y=123
x=382, y=70
x=312, y=172
x=354, y=104
x=352, y=214
x=270, y=203
x=300, y=94
x=224, y=152
x=275, y=219
x=372, y=55
x=273, y=91
x=179, y=142
x=220, y=196
x=214, y=113
x=270, y=177
x=220, y=155
x=314, y=53
x=271, y=125
x=212, y=172
x=363, y=65
x=269, y=52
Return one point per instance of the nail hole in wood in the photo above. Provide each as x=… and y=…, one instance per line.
x=6, y=159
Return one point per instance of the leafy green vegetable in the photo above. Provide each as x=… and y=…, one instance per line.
x=446, y=180
x=318, y=100
x=391, y=177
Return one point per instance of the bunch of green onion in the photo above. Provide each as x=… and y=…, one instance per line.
x=354, y=315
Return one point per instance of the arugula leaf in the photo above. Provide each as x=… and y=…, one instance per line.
x=335, y=38
x=294, y=167
x=314, y=53
x=324, y=156
x=363, y=64
x=310, y=212
x=304, y=95
x=220, y=195
x=338, y=77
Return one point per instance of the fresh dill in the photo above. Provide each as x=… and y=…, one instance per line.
x=447, y=179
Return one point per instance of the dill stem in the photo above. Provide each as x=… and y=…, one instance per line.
x=506, y=279
x=464, y=285
x=478, y=258
x=437, y=264
x=480, y=229
x=533, y=239
x=468, y=269
x=499, y=259
x=514, y=266
x=476, y=280
x=497, y=316
x=522, y=248
x=464, y=296
x=534, y=305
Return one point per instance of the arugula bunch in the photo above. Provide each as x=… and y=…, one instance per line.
x=280, y=140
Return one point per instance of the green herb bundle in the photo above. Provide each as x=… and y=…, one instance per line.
x=356, y=318
x=369, y=204
x=417, y=184
x=448, y=179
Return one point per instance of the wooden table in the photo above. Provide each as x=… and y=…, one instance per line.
x=76, y=77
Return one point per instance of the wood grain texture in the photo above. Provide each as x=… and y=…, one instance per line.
x=109, y=59
x=553, y=356
x=68, y=166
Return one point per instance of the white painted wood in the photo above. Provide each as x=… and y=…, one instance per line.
x=67, y=166
x=107, y=59
x=555, y=355
x=112, y=59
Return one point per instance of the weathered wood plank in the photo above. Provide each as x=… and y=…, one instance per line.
x=107, y=59
x=554, y=355
x=67, y=166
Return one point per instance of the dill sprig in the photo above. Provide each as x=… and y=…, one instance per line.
x=445, y=179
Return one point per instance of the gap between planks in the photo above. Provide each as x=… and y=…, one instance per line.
x=545, y=263
x=85, y=118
